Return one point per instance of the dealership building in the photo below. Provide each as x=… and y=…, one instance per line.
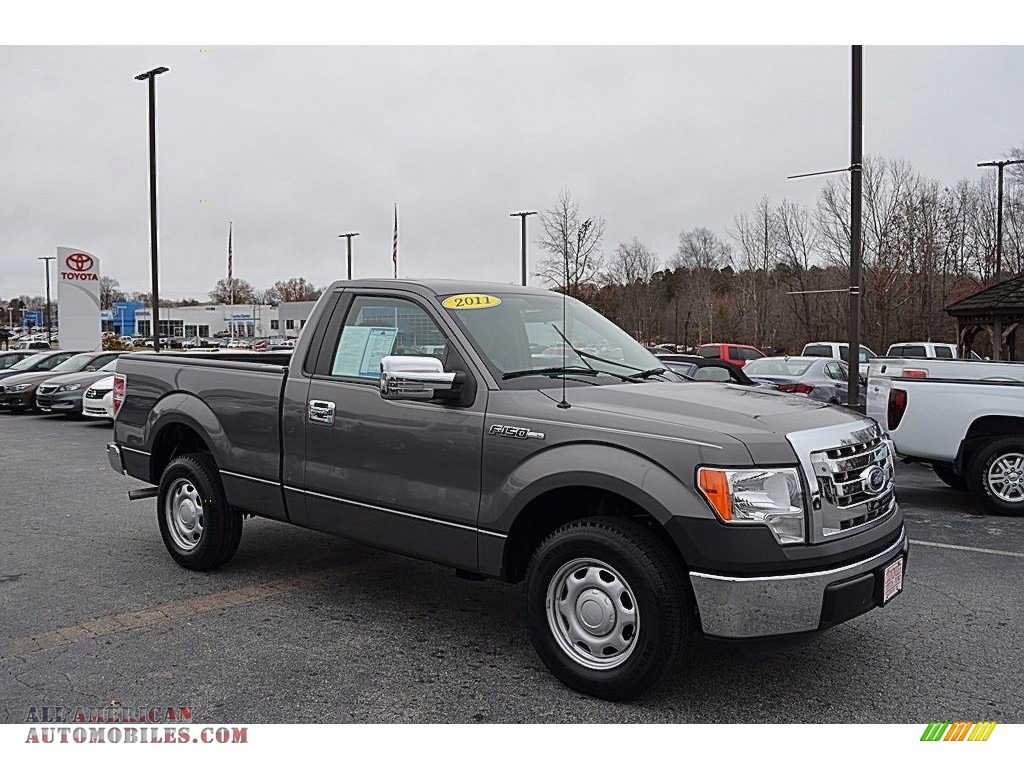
x=205, y=320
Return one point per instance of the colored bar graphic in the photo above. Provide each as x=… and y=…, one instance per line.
x=960, y=730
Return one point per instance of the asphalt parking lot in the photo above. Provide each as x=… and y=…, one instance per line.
x=303, y=627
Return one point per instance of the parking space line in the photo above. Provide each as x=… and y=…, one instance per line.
x=115, y=623
x=966, y=549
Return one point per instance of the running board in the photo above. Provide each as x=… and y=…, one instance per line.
x=143, y=493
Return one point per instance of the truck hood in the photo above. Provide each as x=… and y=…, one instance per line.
x=754, y=415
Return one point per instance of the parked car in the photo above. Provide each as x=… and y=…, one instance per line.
x=39, y=361
x=9, y=358
x=705, y=369
x=636, y=509
x=737, y=354
x=63, y=393
x=19, y=392
x=98, y=400
x=837, y=350
x=814, y=377
x=927, y=349
x=963, y=417
x=34, y=344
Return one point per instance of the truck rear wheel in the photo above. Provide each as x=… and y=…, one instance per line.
x=946, y=474
x=608, y=607
x=199, y=529
x=996, y=476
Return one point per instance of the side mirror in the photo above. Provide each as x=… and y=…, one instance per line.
x=89, y=368
x=413, y=378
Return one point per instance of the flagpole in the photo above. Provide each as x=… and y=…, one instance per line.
x=394, y=243
x=231, y=285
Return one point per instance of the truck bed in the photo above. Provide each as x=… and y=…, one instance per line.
x=237, y=399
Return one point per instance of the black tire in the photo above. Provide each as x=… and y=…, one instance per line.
x=663, y=605
x=195, y=475
x=978, y=482
x=946, y=474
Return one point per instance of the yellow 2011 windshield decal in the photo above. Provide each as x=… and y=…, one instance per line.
x=471, y=301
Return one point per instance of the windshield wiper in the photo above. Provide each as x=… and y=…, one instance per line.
x=553, y=371
x=647, y=374
x=573, y=370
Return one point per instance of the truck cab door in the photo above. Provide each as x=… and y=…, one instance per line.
x=395, y=474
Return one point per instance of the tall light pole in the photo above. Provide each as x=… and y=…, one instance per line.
x=522, y=216
x=348, y=236
x=1000, y=164
x=154, y=264
x=49, y=331
x=856, y=164
x=855, y=169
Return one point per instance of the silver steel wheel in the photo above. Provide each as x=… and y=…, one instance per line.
x=593, y=614
x=1005, y=477
x=183, y=511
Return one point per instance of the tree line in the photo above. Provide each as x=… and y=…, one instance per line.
x=777, y=276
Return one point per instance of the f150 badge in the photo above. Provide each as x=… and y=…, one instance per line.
x=520, y=433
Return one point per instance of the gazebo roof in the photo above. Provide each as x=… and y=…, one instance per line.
x=1004, y=298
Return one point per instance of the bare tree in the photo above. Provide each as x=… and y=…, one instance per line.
x=702, y=254
x=243, y=291
x=110, y=292
x=631, y=270
x=293, y=289
x=757, y=236
x=573, y=246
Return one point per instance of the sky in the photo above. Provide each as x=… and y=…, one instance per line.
x=296, y=144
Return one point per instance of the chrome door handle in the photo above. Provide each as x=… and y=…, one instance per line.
x=321, y=412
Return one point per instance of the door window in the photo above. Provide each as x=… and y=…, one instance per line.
x=835, y=371
x=944, y=352
x=378, y=326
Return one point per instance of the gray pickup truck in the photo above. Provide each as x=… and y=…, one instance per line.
x=509, y=433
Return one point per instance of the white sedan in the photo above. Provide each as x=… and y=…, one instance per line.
x=98, y=401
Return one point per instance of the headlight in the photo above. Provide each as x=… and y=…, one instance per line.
x=18, y=387
x=69, y=387
x=771, y=497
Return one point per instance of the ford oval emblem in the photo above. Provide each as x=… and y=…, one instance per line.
x=873, y=479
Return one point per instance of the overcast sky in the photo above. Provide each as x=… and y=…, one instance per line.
x=297, y=144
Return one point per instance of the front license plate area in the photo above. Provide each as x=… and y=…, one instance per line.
x=892, y=580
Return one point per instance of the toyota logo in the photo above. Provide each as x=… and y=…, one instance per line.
x=873, y=479
x=79, y=262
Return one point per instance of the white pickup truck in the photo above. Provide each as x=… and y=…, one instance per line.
x=965, y=418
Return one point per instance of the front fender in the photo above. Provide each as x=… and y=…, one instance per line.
x=594, y=465
x=609, y=468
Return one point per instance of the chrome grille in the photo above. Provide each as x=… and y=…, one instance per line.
x=46, y=389
x=96, y=394
x=847, y=502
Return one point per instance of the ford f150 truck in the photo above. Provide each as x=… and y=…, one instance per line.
x=964, y=417
x=511, y=433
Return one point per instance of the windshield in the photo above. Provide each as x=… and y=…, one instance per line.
x=74, y=363
x=519, y=333
x=768, y=366
x=27, y=362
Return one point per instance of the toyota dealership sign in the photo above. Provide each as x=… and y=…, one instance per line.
x=78, y=299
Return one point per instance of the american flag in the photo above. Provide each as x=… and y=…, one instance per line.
x=394, y=244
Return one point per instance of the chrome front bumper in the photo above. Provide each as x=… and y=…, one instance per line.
x=116, y=458
x=738, y=607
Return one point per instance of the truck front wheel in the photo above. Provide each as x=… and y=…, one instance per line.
x=199, y=529
x=996, y=476
x=608, y=607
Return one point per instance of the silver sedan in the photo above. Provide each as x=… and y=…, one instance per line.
x=818, y=378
